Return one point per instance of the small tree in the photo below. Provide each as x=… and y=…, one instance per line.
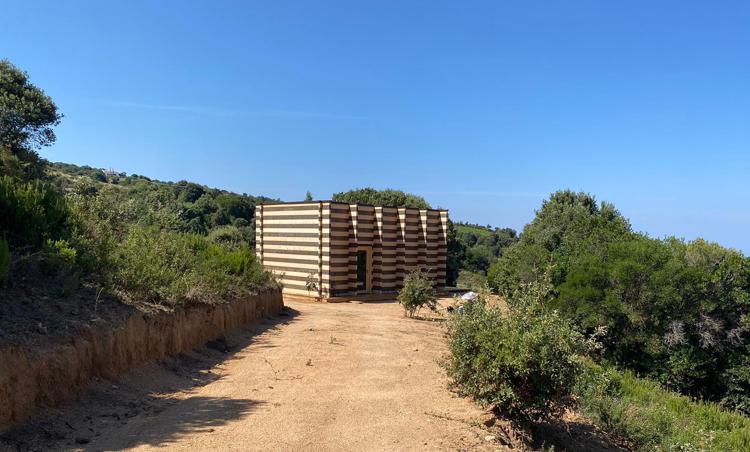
x=308, y=196
x=310, y=283
x=418, y=291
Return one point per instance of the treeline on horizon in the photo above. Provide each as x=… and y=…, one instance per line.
x=177, y=206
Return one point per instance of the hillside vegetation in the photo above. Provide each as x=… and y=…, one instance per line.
x=175, y=206
x=65, y=227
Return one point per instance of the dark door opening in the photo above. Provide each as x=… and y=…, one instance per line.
x=361, y=270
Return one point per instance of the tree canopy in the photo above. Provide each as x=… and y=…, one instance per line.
x=27, y=118
x=387, y=197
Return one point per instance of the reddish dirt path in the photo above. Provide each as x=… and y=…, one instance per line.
x=344, y=376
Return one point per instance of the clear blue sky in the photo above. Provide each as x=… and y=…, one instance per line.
x=482, y=107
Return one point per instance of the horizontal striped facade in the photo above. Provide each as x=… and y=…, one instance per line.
x=312, y=247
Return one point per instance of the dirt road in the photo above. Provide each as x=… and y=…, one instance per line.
x=326, y=377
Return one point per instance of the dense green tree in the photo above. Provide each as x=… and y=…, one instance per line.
x=567, y=225
x=27, y=118
x=678, y=312
x=387, y=197
x=188, y=191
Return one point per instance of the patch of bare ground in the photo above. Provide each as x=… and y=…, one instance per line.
x=347, y=376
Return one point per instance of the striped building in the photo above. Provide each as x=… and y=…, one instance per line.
x=326, y=249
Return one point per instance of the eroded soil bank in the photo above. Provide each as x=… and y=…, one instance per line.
x=54, y=372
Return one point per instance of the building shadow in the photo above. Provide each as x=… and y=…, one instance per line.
x=195, y=415
x=144, y=395
x=196, y=364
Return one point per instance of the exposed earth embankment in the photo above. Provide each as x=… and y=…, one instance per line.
x=53, y=371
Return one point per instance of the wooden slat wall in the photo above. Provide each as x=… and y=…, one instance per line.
x=385, y=263
x=442, y=248
x=342, y=233
x=410, y=224
x=292, y=241
x=320, y=240
x=432, y=237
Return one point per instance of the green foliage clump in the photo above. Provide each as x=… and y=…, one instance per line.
x=148, y=262
x=567, y=226
x=524, y=363
x=150, y=242
x=27, y=116
x=418, y=292
x=167, y=267
x=32, y=212
x=651, y=418
x=387, y=197
x=676, y=312
x=62, y=250
x=230, y=236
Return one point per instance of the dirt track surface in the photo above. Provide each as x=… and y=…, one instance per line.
x=344, y=376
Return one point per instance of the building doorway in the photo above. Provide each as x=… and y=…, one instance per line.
x=364, y=269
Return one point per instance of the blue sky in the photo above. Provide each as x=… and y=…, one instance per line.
x=482, y=107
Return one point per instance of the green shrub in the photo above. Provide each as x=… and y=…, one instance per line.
x=97, y=226
x=169, y=267
x=63, y=250
x=652, y=418
x=228, y=235
x=58, y=260
x=418, y=291
x=226, y=273
x=32, y=212
x=4, y=259
x=524, y=363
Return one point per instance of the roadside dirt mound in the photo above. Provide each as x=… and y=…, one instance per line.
x=49, y=367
